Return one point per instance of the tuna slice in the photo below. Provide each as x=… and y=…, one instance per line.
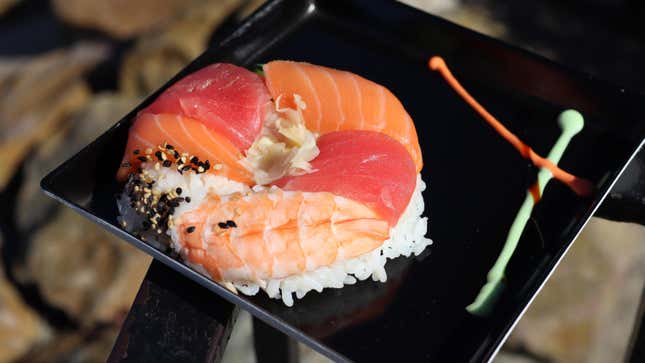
x=227, y=99
x=366, y=166
x=338, y=100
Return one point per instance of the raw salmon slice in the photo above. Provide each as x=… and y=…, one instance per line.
x=365, y=166
x=338, y=100
x=185, y=135
x=228, y=99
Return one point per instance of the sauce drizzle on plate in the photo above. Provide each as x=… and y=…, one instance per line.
x=571, y=123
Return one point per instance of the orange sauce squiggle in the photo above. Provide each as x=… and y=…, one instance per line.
x=535, y=192
x=580, y=186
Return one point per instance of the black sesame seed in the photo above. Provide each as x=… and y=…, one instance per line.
x=187, y=199
x=136, y=151
x=176, y=154
x=207, y=165
x=178, y=191
x=142, y=158
x=231, y=224
x=194, y=160
x=170, y=147
x=185, y=168
x=190, y=229
x=222, y=225
x=167, y=163
x=158, y=155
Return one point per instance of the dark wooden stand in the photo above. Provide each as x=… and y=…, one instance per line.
x=174, y=319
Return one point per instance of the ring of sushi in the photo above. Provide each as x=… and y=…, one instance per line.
x=299, y=178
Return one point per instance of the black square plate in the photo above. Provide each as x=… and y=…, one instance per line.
x=477, y=181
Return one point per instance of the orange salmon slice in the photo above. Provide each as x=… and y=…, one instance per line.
x=185, y=135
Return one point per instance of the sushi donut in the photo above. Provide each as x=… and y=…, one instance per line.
x=298, y=179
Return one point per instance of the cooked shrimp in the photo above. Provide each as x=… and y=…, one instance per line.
x=272, y=234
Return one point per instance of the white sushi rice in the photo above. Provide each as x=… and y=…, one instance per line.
x=406, y=238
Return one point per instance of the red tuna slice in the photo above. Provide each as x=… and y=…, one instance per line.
x=226, y=98
x=366, y=166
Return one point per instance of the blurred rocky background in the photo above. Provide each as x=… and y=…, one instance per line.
x=69, y=69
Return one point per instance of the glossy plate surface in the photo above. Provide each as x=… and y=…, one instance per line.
x=476, y=180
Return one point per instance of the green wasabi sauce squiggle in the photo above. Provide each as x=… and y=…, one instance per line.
x=571, y=122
